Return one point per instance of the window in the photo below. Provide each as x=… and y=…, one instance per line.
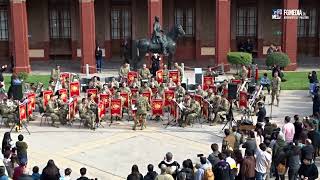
x=246, y=21
x=308, y=27
x=60, y=23
x=120, y=23
x=3, y=24
x=185, y=17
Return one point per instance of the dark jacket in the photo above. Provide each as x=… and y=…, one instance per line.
x=188, y=172
x=21, y=148
x=310, y=171
x=307, y=151
x=150, y=175
x=222, y=171
x=213, y=158
x=83, y=178
x=293, y=157
x=315, y=138
x=50, y=174
x=135, y=177
x=250, y=145
x=268, y=129
x=25, y=177
x=261, y=114
x=297, y=130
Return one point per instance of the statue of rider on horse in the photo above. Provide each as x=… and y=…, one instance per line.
x=158, y=36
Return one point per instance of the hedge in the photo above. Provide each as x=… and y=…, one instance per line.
x=239, y=58
x=278, y=58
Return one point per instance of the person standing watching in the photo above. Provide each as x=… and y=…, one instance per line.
x=99, y=58
x=263, y=161
x=22, y=149
x=275, y=91
x=288, y=130
x=265, y=82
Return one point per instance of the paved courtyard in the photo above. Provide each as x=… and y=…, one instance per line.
x=109, y=152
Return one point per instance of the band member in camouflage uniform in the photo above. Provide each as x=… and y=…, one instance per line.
x=124, y=70
x=210, y=73
x=125, y=88
x=179, y=92
x=275, y=88
x=191, y=111
x=105, y=90
x=171, y=84
x=144, y=73
x=55, y=73
x=114, y=83
x=210, y=95
x=143, y=107
x=52, y=109
x=223, y=108
x=86, y=114
x=136, y=83
x=145, y=88
x=8, y=111
x=200, y=91
x=63, y=110
x=165, y=74
x=180, y=70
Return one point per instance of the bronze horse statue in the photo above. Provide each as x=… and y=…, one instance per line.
x=145, y=46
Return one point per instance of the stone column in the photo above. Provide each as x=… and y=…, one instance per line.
x=20, y=35
x=222, y=32
x=289, y=34
x=88, y=37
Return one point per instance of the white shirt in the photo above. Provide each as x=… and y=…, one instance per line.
x=231, y=162
x=263, y=160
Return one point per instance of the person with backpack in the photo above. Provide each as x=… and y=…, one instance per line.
x=222, y=169
x=207, y=168
x=213, y=157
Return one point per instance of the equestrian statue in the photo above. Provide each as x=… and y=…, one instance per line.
x=160, y=43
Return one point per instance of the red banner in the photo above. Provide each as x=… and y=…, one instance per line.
x=22, y=112
x=207, y=82
x=101, y=110
x=159, y=76
x=174, y=74
x=46, y=97
x=93, y=92
x=32, y=99
x=131, y=76
x=214, y=89
x=29, y=108
x=243, y=102
x=225, y=92
x=64, y=94
x=157, y=109
x=71, y=110
x=154, y=90
x=134, y=91
x=116, y=108
x=168, y=96
x=64, y=76
x=74, y=89
x=147, y=95
x=236, y=81
x=198, y=98
x=105, y=98
x=126, y=97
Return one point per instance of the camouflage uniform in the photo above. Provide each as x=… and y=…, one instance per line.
x=192, y=111
x=179, y=93
x=87, y=115
x=115, y=84
x=52, y=109
x=223, y=107
x=126, y=90
x=165, y=75
x=210, y=73
x=124, y=70
x=136, y=84
x=275, y=89
x=63, y=111
x=143, y=107
x=179, y=68
x=8, y=111
x=55, y=74
x=201, y=92
x=144, y=73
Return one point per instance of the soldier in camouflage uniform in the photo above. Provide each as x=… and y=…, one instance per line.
x=63, y=110
x=52, y=109
x=210, y=73
x=165, y=74
x=136, y=83
x=144, y=73
x=171, y=84
x=153, y=83
x=125, y=88
x=105, y=89
x=55, y=73
x=191, y=112
x=201, y=92
x=161, y=89
x=86, y=114
x=124, y=70
x=8, y=111
x=179, y=68
x=145, y=88
x=223, y=108
x=210, y=95
x=143, y=107
x=114, y=83
x=179, y=92
x=275, y=88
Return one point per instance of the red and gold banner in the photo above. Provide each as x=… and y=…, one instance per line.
x=46, y=97
x=174, y=74
x=243, y=100
x=105, y=98
x=198, y=98
x=101, y=110
x=22, y=112
x=147, y=95
x=131, y=76
x=32, y=99
x=157, y=109
x=93, y=92
x=64, y=76
x=134, y=91
x=64, y=94
x=116, y=108
x=126, y=97
x=72, y=110
x=168, y=97
x=214, y=89
x=29, y=108
x=207, y=82
x=154, y=90
x=74, y=89
x=159, y=76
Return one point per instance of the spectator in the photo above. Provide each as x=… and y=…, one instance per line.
x=222, y=169
x=313, y=79
x=199, y=173
x=151, y=175
x=50, y=172
x=308, y=169
x=314, y=136
x=172, y=165
x=18, y=171
x=288, y=130
x=182, y=176
x=98, y=58
x=263, y=161
x=261, y=114
x=3, y=175
x=186, y=170
x=67, y=174
x=164, y=175
x=293, y=161
x=239, y=160
x=307, y=151
x=248, y=166
x=22, y=149
x=229, y=141
x=25, y=175
x=15, y=79
x=7, y=163
x=35, y=173
x=213, y=157
x=6, y=142
x=268, y=128
x=238, y=136
x=135, y=174
x=297, y=128
x=250, y=143
x=265, y=82
x=259, y=136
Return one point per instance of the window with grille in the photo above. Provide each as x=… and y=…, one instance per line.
x=308, y=27
x=185, y=17
x=120, y=23
x=246, y=21
x=60, y=23
x=3, y=24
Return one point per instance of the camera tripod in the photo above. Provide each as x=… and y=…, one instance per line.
x=230, y=118
x=20, y=124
